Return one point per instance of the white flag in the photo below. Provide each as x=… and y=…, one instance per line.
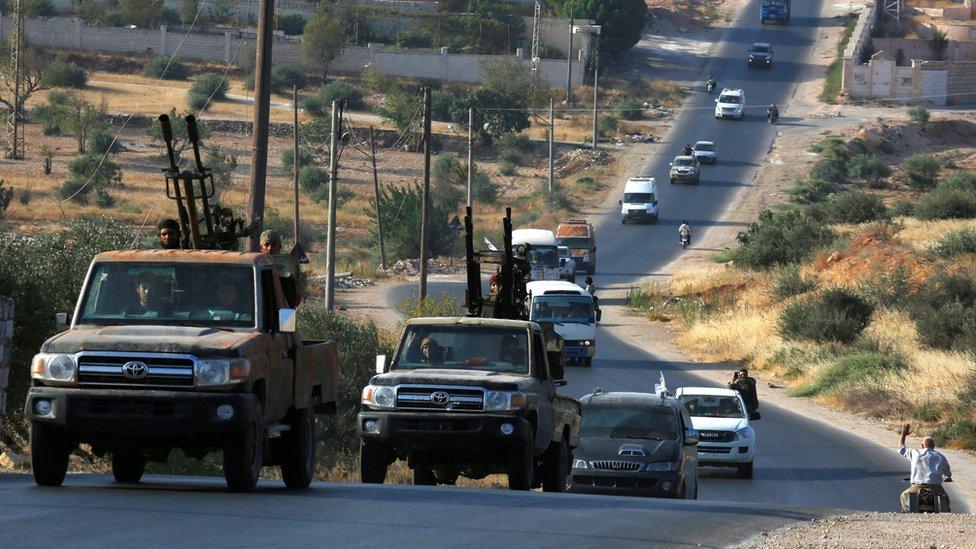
x=490, y=245
x=661, y=386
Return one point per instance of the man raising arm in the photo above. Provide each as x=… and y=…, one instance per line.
x=928, y=469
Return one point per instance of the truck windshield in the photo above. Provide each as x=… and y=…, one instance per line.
x=576, y=242
x=642, y=422
x=160, y=294
x=546, y=256
x=638, y=198
x=713, y=406
x=681, y=161
x=730, y=99
x=562, y=308
x=464, y=348
x=774, y=3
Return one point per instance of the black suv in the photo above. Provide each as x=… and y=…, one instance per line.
x=636, y=444
x=760, y=55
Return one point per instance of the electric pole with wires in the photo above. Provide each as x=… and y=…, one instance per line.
x=425, y=208
x=330, y=251
x=16, y=54
x=260, y=119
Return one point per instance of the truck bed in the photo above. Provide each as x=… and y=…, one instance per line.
x=318, y=366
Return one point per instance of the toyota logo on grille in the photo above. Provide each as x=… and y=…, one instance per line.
x=706, y=434
x=135, y=370
x=440, y=398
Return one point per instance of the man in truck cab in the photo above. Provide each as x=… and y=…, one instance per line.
x=511, y=351
x=169, y=234
x=271, y=242
x=146, y=299
x=431, y=352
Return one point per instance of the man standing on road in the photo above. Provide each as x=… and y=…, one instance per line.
x=929, y=467
x=169, y=234
x=747, y=388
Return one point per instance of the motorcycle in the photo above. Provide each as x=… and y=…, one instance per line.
x=928, y=501
x=772, y=117
x=710, y=86
x=685, y=240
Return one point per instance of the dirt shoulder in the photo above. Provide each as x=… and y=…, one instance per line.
x=875, y=530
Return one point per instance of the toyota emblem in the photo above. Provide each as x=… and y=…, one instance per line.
x=440, y=398
x=135, y=370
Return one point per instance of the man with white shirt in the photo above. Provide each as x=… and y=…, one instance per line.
x=929, y=468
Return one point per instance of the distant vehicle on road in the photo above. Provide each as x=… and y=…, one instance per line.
x=705, y=152
x=774, y=10
x=579, y=237
x=685, y=169
x=567, y=265
x=636, y=444
x=730, y=104
x=572, y=312
x=720, y=417
x=543, y=255
x=760, y=55
x=640, y=200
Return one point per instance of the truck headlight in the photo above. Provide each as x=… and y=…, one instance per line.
x=380, y=396
x=54, y=367
x=212, y=372
x=744, y=434
x=661, y=466
x=503, y=401
x=580, y=464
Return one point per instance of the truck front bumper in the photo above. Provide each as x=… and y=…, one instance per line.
x=458, y=431
x=576, y=353
x=657, y=485
x=100, y=413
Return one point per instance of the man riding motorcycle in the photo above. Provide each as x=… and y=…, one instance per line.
x=687, y=150
x=929, y=468
x=772, y=113
x=684, y=233
x=710, y=82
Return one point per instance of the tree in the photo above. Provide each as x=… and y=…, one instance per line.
x=180, y=140
x=292, y=23
x=33, y=71
x=91, y=172
x=400, y=212
x=400, y=107
x=190, y=11
x=514, y=79
x=622, y=21
x=145, y=14
x=67, y=113
x=494, y=113
x=323, y=40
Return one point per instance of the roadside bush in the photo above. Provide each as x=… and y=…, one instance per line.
x=959, y=180
x=320, y=103
x=508, y=156
x=780, y=238
x=939, y=328
x=441, y=105
x=157, y=68
x=958, y=431
x=946, y=287
x=869, y=168
x=919, y=116
x=851, y=371
x=89, y=172
x=630, y=109
x=208, y=88
x=285, y=77
x=889, y=289
x=812, y=191
x=65, y=74
x=837, y=315
x=606, y=126
x=507, y=169
x=288, y=158
x=946, y=203
x=292, y=23
x=100, y=141
x=483, y=189
x=855, y=207
x=830, y=171
x=557, y=199
x=791, y=282
x=315, y=181
x=921, y=171
x=956, y=243
x=832, y=148
x=515, y=142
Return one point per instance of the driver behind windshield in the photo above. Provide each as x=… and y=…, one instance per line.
x=511, y=351
x=431, y=352
x=146, y=301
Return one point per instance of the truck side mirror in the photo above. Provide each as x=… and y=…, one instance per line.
x=287, y=321
x=562, y=261
x=61, y=322
x=691, y=437
x=599, y=315
x=380, y=364
x=755, y=416
x=556, y=371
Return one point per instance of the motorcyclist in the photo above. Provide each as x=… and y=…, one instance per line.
x=928, y=470
x=684, y=231
x=710, y=81
x=772, y=113
x=687, y=151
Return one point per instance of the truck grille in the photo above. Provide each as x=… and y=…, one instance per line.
x=713, y=450
x=161, y=371
x=716, y=436
x=463, y=399
x=616, y=465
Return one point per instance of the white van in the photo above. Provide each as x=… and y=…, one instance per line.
x=543, y=255
x=572, y=310
x=640, y=200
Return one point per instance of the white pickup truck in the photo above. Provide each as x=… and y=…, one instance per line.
x=573, y=313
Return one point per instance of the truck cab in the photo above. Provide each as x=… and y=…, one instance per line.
x=579, y=237
x=573, y=314
x=189, y=349
x=640, y=200
x=472, y=397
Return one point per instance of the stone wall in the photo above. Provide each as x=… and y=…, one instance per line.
x=73, y=34
x=931, y=82
x=906, y=49
x=6, y=336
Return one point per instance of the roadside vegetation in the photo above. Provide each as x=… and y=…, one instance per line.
x=835, y=70
x=860, y=291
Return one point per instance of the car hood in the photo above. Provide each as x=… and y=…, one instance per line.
x=192, y=340
x=600, y=448
x=445, y=376
x=718, y=423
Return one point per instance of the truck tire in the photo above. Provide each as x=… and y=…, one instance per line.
x=555, y=475
x=298, y=463
x=745, y=470
x=244, y=454
x=424, y=476
x=49, y=454
x=521, y=465
x=372, y=463
x=128, y=466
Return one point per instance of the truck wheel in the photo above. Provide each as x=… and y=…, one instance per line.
x=128, y=466
x=556, y=467
x=372, y=463
x=298, y=465
x=244, y=454
x=424, y=476
x=745, y=470
x=521, y=465
x=49, y=454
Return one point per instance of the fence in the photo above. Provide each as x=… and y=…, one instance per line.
x=6, y=336
x=858, y=44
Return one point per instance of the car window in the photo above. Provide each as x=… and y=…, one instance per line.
x=713, y=406
x=640, y=422
x=481, y=348
x=734, y=99
x=684, y=162
x=639, y=198
x=704, y=147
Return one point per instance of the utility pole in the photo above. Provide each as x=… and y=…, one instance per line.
x=569, y=56
x=470, y=152
x=425, y=211
x=596, y=85
x=330, y=251
x=259, y=122
x=297, y=156
x=552, y=133
x=376, y=189
x=17, y=53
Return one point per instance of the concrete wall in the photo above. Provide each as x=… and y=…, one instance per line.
x=922, y=49
x=858, y=44
x=73, y=34
x=6, y=335
x=250, y=8
x=932, y=82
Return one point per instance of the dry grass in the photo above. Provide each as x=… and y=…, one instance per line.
x=922, y=235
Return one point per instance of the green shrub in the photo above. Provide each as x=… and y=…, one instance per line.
x=630, y=109
x=557, y=199
x=790, y=282
x=320, y=103
x=291, y=23
x=958, y=431
x=851, y=371
x=855, y=207
x=939, y=328
x=921, y=171
x=483, y=189
x=919, y=116
x=946, y=203
x=832, y=148
x=207, y=89
x=288, y=158
x=888, y=289
x=780, y=238
x=830, y=171
x=946, y=287
x=955, y=243
x=812, y=191
x=315, y=181
x=441, y=105
x=606, y=125
x=157, y=68
x=837, y=315
x=959, y=180
x=286, y=77
x=89, y=172
x=515, y=142
x=507, y=169
x=869, y=168
x=65, y=74
x=508, y=156
x=100, y=141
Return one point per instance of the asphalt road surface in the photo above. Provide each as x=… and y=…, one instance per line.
x=801, y=464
